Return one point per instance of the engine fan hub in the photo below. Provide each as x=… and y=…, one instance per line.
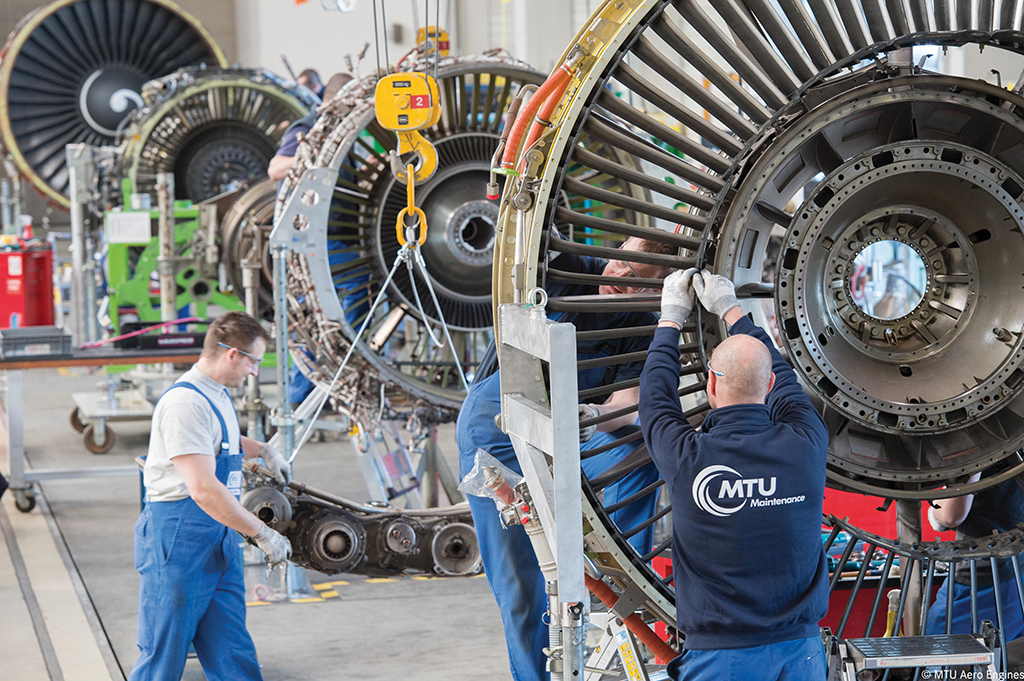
x=470, y=231
x=72, y=71
x=108, y=95
x=224, y=166
x=938, y=363
x=213, y=128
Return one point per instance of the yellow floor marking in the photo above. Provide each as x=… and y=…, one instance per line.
x=329, y=585
x=329, y=594
x=316, y=599
x=255, y=603
x=380, y=580
x=64, y=371
x=422, y=578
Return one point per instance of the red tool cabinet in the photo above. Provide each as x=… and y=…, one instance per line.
x=26, y=288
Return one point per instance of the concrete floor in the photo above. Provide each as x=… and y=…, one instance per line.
x=406, y=628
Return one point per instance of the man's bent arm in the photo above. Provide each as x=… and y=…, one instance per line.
x=250, y=447
x=953, y=511
x=787, y=401
x=664, y=425
x=279, y=166
x=618, y=400
x=200, y=474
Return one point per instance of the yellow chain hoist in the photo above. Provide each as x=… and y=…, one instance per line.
x=436, y=38
x=407, y=103
x=411, y=210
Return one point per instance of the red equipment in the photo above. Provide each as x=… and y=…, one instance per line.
x=26, y=288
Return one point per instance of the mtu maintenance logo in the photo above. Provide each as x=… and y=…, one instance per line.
x=717, y=489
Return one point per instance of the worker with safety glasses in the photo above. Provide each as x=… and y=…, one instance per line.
x=192, y=591
x=508, y=557
x=751, y=579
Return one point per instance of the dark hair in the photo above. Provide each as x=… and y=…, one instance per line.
x=659, y=247
x=313, y=76
x=236, y=329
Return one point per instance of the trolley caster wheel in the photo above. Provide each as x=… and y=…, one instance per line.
x=76, y=421
x=89, y=438
x=24, y=501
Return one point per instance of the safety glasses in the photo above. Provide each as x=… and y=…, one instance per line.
x=256, y=361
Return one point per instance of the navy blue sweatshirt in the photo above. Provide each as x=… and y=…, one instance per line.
x=746, y=505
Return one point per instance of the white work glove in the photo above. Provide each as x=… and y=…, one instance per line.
x=588, y=411
x=677, y=296
x=274, y=545
x=716, y=293
x=276, y=463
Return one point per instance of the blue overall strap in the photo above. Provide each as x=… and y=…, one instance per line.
x=225, y=443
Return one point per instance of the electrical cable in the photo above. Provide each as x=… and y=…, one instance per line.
x=139, y=332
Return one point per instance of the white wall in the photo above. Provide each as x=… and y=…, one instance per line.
x=312, y=37
x=537, y=31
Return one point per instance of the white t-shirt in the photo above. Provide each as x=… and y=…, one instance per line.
x=183, y=423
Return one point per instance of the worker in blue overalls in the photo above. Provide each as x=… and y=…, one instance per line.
x=508, y=557
x=976, y=516
x=186, y=539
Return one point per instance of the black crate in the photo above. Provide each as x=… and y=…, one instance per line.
x=34, y=341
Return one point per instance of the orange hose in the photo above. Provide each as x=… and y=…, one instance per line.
x=634, y=623
x=547, y=109
x=557, y=80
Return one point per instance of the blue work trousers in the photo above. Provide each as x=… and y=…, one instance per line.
x=1013, y=623
x=799, y=660
x=511, y=565
x=192, y=592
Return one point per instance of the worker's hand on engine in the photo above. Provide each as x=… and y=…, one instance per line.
x=276, y=463
x=716, y=293
x=677, y=296
x=588, y=411
x=274, y=545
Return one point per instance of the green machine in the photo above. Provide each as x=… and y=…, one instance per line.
x=215, y=131
x=132, y=264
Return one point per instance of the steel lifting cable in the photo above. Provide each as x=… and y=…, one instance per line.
x=402, y=255
x=376, y=37
x=410, y=254
x=407, y=236
x=376, y=34
x=415, y=257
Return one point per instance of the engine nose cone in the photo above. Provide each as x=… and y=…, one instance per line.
x=108, y=96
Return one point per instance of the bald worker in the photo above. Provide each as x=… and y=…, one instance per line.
x=751, y=579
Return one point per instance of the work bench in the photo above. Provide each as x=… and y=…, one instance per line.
x=12, y=404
